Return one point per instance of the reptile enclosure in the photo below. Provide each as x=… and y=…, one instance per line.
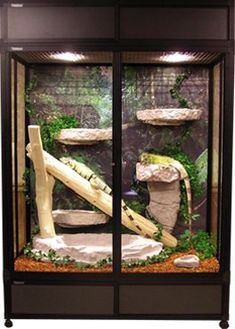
x=116, y=159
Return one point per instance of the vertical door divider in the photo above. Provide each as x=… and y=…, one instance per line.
x=117, y=172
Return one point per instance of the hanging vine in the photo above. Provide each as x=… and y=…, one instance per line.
x=175, y=91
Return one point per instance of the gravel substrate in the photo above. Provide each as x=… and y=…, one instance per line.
x=24, y=264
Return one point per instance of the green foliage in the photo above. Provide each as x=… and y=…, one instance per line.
x=26, y=179
x=133, y=99
x=175, y=152
x=54, y=258
x=201, y=164
x=104, y=262
x=50, y=129
x=158, y=234
x=35, y=230
x=164, y=254
x=203, y=244
x=29, y=179
x=50, y=126
x=136, y=206
x=201, y=241
x=175, y=91
x=28, y=107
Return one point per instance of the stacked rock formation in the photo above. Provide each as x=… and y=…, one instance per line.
x=164, y=190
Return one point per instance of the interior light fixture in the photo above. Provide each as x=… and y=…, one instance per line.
x=68, y=57
x=176, y=57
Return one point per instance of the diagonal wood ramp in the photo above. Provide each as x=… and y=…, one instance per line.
x=46, y=167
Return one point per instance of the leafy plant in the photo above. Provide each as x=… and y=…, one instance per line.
x=175, y=91
x=50, y=126
x=203, y=244
x=26, y=179
x=56, y=259
x=178, y=154
x=201, y=164
x=50, y=129
x=158, y=234
x=35, y=230
x=104, y=262
x=201, y=241
x=28, y=106
x=164, y=255
x=136, y=206
x=29, y=179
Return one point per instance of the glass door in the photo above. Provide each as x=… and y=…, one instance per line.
x=62, y=161
x=170, y=162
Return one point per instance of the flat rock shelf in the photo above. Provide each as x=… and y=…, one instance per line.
x=78, y=218
x=168, y=117
x=84, y=136
x=91, y=248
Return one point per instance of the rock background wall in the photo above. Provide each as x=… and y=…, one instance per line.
x=86, y=92
x=149, y=88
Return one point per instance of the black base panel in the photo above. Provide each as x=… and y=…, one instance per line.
x=135, y=301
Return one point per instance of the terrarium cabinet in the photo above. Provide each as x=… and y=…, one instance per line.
x=116, y=139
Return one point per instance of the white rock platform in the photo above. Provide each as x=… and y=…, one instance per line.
x=90, y=248
x=84, y=136
x=78, y=218
x=168, y=117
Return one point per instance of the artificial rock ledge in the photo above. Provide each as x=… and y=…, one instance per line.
x=164, y=192
x=91, y=248
x=84, y=136
x=78, y=218
x=167, y=117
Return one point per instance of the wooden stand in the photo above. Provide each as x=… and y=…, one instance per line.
x=44, y=184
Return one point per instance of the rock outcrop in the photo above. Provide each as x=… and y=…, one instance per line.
x=84, y=136
x=91, y=248
x=163, y=183
x=78, y=218
x=156, y=173
x=188, y=261
x=164, y=203
x=166, y=117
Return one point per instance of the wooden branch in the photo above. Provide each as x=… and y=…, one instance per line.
x=199, y=205
x=44, y=184
x=98, y=198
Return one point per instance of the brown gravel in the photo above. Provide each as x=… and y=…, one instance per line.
x=24, y=264
x=207, y=265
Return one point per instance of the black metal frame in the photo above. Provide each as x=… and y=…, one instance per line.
x=116, y=278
